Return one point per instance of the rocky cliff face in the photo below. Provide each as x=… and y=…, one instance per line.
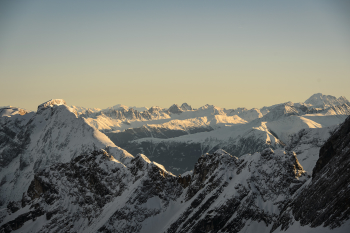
x=337, y=145
x=325, y=200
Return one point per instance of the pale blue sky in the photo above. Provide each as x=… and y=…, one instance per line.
x=227, y=53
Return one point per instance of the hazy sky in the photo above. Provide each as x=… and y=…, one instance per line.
x=227, y=53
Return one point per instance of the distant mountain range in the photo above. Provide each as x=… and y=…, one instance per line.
x=176, y=136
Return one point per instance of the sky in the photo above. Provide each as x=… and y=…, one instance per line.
x=156, y=53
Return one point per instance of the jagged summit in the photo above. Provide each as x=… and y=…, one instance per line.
x=343, y=98
x=212, y=109
x=186, y=107
x=207, y=106
x=179, y=109
x=320, y=100
x=51, y=103
x=175, y=109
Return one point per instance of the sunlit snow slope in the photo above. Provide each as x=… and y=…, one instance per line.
x=31, y=141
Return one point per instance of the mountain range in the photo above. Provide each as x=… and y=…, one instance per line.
x=278, y=168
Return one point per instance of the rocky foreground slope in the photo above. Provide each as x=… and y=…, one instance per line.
x=98, y=190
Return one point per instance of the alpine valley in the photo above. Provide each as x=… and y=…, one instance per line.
x=281, y=168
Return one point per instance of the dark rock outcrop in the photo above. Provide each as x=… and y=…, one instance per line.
x=336, y=145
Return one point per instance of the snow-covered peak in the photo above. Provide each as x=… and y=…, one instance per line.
x=279, y=111
x=175, y=109
x=320, y=100
x=145, y=160
x=10, y=111
x=143, y=157
x=343, y=98
x=289, y=103
x=155, y=109
x=54, y=134
x=212, y=109
x=140, y=109
x=206, y=106
x=140, y=165
x=120, y=106
x=51, y=103
x=186, y=107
